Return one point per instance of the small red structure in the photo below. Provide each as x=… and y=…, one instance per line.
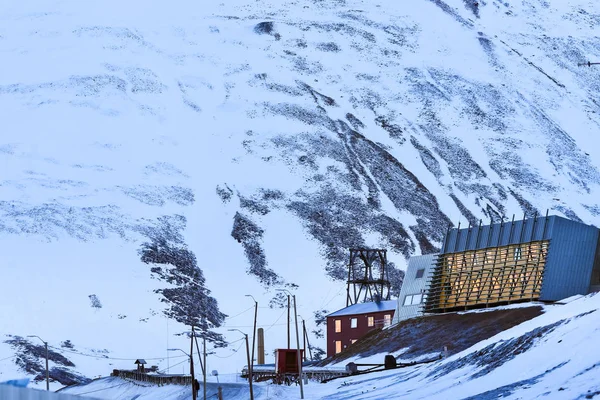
x=286, y=361
x=349, y=324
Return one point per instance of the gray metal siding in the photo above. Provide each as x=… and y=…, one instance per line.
x=499, y=234
x=411, y=285
x=570, y=260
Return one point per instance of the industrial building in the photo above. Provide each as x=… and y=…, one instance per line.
x=541, y=258
x=349, y=324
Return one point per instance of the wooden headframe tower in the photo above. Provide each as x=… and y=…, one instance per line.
x=368, y=278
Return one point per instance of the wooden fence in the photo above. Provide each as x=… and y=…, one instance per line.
x=159, y=380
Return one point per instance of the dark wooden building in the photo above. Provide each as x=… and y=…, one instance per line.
x=346, y=326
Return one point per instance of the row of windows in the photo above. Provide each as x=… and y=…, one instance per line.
x=387, y=320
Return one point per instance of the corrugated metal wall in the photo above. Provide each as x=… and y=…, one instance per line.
x=17, y=393
x=413, y=285
x=499, y=234
x=571, y=253
x=570, y=260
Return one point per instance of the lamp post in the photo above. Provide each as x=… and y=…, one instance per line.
x=254, y=331
x=47, y=372
x=248, y=357
x=191, y=371
x=298, y=356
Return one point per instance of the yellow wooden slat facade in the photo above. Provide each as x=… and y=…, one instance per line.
x=488, y=276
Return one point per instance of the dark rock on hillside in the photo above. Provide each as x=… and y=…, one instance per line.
x=64, y=376
x=264, y=28
x=31, y=358
x=225, y=193
x=246, y=232
x=189, y=302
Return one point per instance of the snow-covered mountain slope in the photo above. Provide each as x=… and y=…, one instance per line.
x=264, y=139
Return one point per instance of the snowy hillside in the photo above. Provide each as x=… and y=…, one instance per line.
x=548, y=357
x=248, y=145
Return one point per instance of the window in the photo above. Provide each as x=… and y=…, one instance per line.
x=370, y=321
x=387, y=320
x=414, y=299
x=353, y=322
x=420, y=273
x=517, y=253
x=338, y=325
x=338, y=346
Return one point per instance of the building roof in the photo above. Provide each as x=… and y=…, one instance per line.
x=505, y=233
x=140, y=361
x=366, y=308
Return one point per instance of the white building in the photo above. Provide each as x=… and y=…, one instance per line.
x=414, y=288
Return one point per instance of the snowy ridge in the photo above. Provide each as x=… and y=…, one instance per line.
x=280, y=135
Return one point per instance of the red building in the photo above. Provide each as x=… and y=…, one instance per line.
x=286, y=361
x=349, y=324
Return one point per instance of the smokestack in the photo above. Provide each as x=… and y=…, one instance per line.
x=261, y=347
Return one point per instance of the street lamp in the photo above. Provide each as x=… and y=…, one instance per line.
x=180, y=351
x=47, y=372
x=191, y=372
x=254, y=331
x=298, y=356
x=249, y=366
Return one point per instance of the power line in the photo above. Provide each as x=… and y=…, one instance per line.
x=237, y=315
x=234, y=352
x=171, y=366
x=283, y=312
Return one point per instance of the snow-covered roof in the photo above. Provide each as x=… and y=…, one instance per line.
x=364, y=308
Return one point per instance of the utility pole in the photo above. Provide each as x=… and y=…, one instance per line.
x=307, y=342
x=194, y=393
x=204, y=371
x=248, y=357
x=298, y=355
x=253, y=332
x=288, y=323
x=304, y=339
x=47, y=371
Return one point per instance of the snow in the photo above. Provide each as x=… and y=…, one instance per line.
x=102, y=103
x=364, y=308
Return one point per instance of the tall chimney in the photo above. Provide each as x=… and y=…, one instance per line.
x=261, y=347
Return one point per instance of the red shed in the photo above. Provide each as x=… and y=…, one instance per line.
x=286, y=361
x=349, y=324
